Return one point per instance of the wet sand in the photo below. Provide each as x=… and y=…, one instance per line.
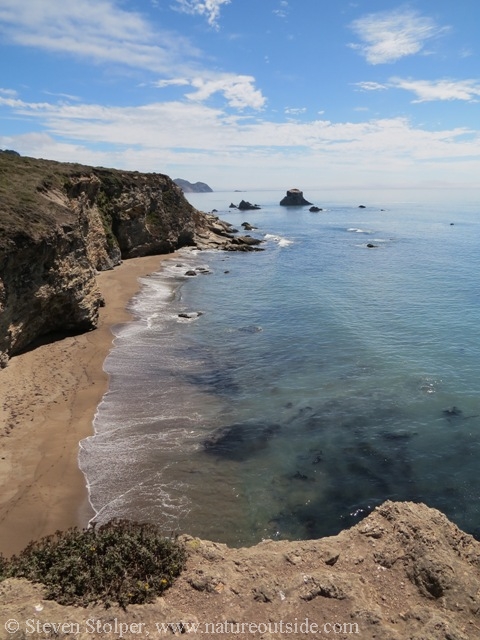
x=49, y=396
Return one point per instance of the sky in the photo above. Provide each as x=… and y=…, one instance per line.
x=248, y=94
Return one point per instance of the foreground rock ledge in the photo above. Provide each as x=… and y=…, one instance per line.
x=404, y=573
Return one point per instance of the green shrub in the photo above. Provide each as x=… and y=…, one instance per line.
x=121, y=561
x=3, y=567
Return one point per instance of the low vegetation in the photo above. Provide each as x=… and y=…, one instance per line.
x=120, y=562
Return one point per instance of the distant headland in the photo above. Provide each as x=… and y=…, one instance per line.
x=189, y=187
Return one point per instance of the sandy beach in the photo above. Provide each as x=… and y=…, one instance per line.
x=49, y=396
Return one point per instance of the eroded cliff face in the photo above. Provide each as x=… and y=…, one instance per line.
x=46, y=285
x=60, y=223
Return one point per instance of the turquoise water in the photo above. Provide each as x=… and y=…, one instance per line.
x=321, y=378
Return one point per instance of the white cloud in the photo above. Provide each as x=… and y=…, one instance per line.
x=295, y=111
x=370, y=86
x=428, y=90
x=43, y=145
x=208, y=8
x=171, y=128
x=174, y=82
x=8, y=92
x=100, y=31
x=67, y=96
x=391, y=35
x=239, y=91
x=96, y=30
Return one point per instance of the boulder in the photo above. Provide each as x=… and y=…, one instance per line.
x=294, y=198
x=248, y=240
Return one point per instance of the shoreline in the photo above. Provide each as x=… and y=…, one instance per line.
x=50, y=395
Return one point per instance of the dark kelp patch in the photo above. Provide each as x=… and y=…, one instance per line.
x=240, y=441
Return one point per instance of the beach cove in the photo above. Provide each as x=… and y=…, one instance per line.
x=63, y=228
x=50, y=396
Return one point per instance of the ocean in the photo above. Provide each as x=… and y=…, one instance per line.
x=309, y=382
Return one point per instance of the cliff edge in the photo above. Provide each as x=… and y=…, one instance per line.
x=403, y=573
x=62, y=222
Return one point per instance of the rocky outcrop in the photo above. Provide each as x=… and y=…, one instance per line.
x=211, y=232
x=403, y=573
x=294, y=198
x=192, y=187
x=60, y=223
x=244, y=205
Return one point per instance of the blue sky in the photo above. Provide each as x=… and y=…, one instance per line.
x=248, y=93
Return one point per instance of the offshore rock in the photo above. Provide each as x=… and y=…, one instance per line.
x=62, y=222
x=294, y=198
x=244, y=205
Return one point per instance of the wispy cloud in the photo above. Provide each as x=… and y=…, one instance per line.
x=95, y=30
x=295, y=111
x=282, y=11
x=371, y=86
x=186, y=136
x=429, y=90
x=172, y=82
x=208, y=8
x=391, y=35
x=8, y=92
x=177, y=125
x=99, y=31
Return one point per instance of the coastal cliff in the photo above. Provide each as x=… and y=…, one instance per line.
x=62, y=222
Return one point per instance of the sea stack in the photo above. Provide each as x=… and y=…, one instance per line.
x=294, y=198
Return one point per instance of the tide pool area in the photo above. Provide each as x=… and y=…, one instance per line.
x=304, y=384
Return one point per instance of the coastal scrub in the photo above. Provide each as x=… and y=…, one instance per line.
x=122, y=561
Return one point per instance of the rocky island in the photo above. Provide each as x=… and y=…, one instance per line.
x=294, y=198
x=244, y=205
